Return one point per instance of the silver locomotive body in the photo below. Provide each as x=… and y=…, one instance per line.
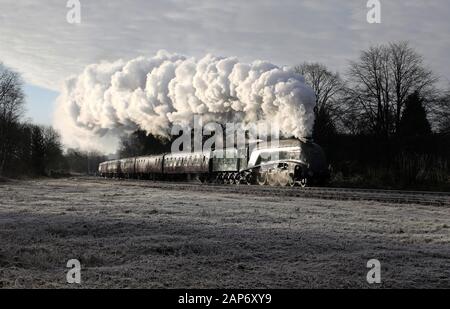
x=285, y=162
x=288, y=162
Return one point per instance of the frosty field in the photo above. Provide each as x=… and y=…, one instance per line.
x=128, y=235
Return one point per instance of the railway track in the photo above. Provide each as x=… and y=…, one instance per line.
x=386, y=196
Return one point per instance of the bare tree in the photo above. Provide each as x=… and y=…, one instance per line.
x=45, y=150
x=83, y=162
x=409, y=75
x=441, y=113
x=11, y=109
x=327, y=86
x=24, y=148
x=382, y=79
x=53, y=149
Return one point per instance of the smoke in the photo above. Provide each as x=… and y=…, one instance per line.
x=108, y=100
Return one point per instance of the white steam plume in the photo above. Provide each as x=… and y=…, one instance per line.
x=110, y=99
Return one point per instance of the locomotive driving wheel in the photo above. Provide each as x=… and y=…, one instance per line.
x=291, y=181
x=261, y=179
x=283, y=178
x=272, y=178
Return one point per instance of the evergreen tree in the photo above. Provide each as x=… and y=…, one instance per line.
x=324, y=129
x=414, y=120
x=140, y=143
x=37, y=151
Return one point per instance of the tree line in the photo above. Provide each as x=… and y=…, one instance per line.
x=385, y=122
x=375, y=91
x=29, y=149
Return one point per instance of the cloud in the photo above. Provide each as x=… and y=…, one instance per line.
x=36, y=39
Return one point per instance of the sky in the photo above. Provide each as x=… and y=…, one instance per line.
x=37, y=41
x=40, y=104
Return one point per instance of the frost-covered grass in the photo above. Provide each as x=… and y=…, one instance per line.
x=135, y=236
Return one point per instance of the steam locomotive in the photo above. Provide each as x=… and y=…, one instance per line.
x=290, y=162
